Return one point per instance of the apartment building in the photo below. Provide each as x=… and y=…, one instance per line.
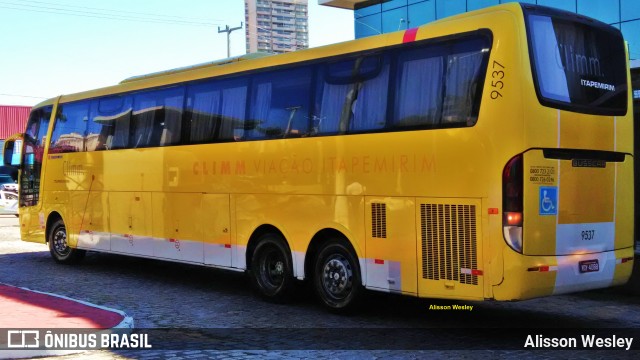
x=276, y=26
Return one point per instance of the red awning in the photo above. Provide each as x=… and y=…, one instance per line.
x=13, y=119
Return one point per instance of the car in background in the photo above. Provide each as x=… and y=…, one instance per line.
x=7, y=183
x=8, y=203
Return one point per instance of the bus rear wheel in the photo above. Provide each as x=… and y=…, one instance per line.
x=271, y=269
x=337, y=277
x=59, y=248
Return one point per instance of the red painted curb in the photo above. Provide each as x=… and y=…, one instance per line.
x=22, y=308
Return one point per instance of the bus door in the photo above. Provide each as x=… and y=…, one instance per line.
x=32, y=223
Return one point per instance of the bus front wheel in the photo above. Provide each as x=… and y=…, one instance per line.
x=59, y=248
x=337, y=277
x=271, y=269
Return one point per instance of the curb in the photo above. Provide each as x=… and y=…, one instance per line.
x=124, y=326
x=126, y=323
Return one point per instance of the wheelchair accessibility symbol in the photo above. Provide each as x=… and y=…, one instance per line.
x=548, y=200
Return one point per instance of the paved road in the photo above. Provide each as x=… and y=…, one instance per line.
x=199, y=301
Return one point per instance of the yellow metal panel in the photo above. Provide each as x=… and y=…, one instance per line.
x=177, y=216
x=624, y=270
x=582, y=131
x=285, y=212
x=539, y=232
x=178, y=226
x=523, y=284
x=29, y=228
x=625, y=206
x=586, y=194
x=131, y=217
x=216, y=230
x=89, y=212
x=395, y=247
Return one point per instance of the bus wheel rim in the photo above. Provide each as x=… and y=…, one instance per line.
x=337, y=276
x=60, y=242
x=273, y=269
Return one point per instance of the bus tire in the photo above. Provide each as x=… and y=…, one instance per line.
x=337, y=277
x=271, y=269
x=58, y=247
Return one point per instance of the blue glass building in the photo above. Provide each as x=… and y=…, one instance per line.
x=374, y=17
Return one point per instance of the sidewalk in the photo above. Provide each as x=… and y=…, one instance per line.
x=22, y=308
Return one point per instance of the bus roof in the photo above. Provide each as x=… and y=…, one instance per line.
x=198, y=66
x=249, y=62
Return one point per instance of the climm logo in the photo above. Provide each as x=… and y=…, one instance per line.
x=572, y=61
x=364, y=164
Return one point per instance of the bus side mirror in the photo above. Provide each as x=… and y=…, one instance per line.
x=8, y=152
x=12, y=151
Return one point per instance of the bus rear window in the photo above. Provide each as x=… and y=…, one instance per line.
x=578, y=66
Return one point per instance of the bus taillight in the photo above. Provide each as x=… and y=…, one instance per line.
x=512, y=203
x=513, y=218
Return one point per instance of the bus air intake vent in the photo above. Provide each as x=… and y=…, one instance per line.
x=379, y=220
x=449, y=242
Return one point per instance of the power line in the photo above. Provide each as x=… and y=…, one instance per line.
x=39, y=9
x=24, y=96
x=118, y=11
x=80, y=13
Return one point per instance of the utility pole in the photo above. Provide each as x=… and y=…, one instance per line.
x=228, y=31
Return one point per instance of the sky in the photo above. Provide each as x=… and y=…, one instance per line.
x=54, y=47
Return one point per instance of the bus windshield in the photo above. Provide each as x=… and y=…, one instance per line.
x=578, y=65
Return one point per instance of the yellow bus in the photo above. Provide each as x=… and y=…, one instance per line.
x=483, y=156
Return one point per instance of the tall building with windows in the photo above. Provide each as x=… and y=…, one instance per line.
x=373, y=17
x=276, y=26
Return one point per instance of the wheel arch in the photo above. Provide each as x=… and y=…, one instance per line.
x=51, y=219
x=255, y=237
x=322, y=237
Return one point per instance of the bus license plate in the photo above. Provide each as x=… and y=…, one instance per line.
x=589, y=266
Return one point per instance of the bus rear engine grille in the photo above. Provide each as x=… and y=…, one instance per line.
x=449, y=242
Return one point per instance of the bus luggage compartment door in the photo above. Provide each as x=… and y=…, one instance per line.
x=449, y=248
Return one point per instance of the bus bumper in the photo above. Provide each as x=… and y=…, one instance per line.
x=527, y=277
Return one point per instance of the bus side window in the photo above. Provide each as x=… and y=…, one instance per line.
x=203, y=112
x=440, y=86
x=352, y=95
x=233, y=112
x=419, y=89
x=109, y=125
x=157, y=117
x=216, y=110
x=462, y=83
x=70, y=127
x=171, y=125
x=280, y=104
